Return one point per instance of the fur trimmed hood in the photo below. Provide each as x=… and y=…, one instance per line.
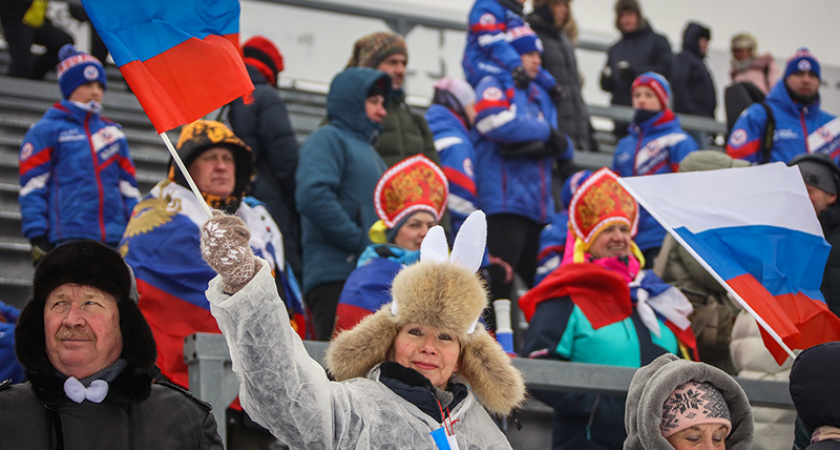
x=92, y=264
x=450, y=297
x=653, y=384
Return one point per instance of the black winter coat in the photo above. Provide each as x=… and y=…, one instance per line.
x=41, y=417
x=559, y=60
x=691, y=83
x=644, y=51
x=830, y=222
x=265, y=126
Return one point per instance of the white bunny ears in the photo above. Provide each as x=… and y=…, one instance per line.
x=467, y=251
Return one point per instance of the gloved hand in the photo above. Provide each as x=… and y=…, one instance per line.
x=225, y=246
x=556, y=93
x=625, y=71
x=521, y=79
x=40, y=247
x=557, y=142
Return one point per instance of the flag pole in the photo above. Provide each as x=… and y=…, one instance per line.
x=712, y=272
x=186, y=174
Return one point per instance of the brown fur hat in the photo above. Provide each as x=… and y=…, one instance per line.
x=448, y=296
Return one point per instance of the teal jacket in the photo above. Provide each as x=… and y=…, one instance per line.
x=336, y=176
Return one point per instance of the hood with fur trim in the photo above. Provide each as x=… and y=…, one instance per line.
x=653, y=384
x=88, y=263
x=448, y=297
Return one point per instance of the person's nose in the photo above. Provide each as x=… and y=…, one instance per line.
x=429, y=345
x=74, y=317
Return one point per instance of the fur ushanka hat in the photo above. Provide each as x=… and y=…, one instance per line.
x=444, y=292
x=88, y=263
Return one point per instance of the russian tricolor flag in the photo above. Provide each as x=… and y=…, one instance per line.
x=181, y=58
x=756, y=229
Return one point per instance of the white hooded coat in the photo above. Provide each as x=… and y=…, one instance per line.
x=287, y=392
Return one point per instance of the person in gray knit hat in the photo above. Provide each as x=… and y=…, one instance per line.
x=678, y=404
x=401, y=373
x=405, y=132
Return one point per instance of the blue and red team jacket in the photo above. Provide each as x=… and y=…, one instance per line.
x=654, y=146
x=799, y=129
x=10, y=367
x=457, y=156
x=488, y=50
x=552, y=245
x=76, y=177
x=505, y=115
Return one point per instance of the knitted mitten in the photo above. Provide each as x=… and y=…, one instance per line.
x=224, y=245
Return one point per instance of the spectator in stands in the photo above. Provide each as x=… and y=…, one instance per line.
x=97, y=46
x=491, y=27
x=410, y=199
x=10, y=369
x=404, y=132
x=336, y=177
x=25, y=23
x=774, y=427
x=639, y=50
x=451, y=117
x=415, y=373
x=553, y=236
x=76, y=176
x=714, y=311
x=822, y=179
x=793, y=110
x=656, y=144
x=694, y=87
x=813, y=388
x=265, y=126
x=747, y=65
x=752, y=78
x=587, y=311
x=549, y=20
x=684, y=405
x=516, y=146
x=161, y=244
x=90, y=359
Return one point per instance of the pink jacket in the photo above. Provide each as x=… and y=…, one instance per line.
x=761, y=71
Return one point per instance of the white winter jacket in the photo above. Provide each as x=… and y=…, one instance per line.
x=287, y=392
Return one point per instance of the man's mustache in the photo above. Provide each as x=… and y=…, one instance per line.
x=74, y=333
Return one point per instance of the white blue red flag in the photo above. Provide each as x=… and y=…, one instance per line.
x=180, y=58
x=756, y=229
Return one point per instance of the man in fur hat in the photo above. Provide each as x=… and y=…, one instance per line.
x=90, y=359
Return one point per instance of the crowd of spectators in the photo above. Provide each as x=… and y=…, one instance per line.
x=344, y=237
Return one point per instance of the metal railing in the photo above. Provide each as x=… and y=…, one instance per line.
x=213, y=380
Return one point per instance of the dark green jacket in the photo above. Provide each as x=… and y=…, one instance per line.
x=405, y=133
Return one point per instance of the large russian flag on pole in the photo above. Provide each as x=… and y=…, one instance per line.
x=180, y=57
x=755, y=231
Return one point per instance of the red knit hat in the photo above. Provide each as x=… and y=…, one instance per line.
x=261, y=53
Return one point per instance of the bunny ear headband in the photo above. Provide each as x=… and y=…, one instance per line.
x=442, y=291
x=468, y=251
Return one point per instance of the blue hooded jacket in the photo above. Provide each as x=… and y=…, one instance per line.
x=336, y=177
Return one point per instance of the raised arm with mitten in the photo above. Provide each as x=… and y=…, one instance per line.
x=225, y=246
